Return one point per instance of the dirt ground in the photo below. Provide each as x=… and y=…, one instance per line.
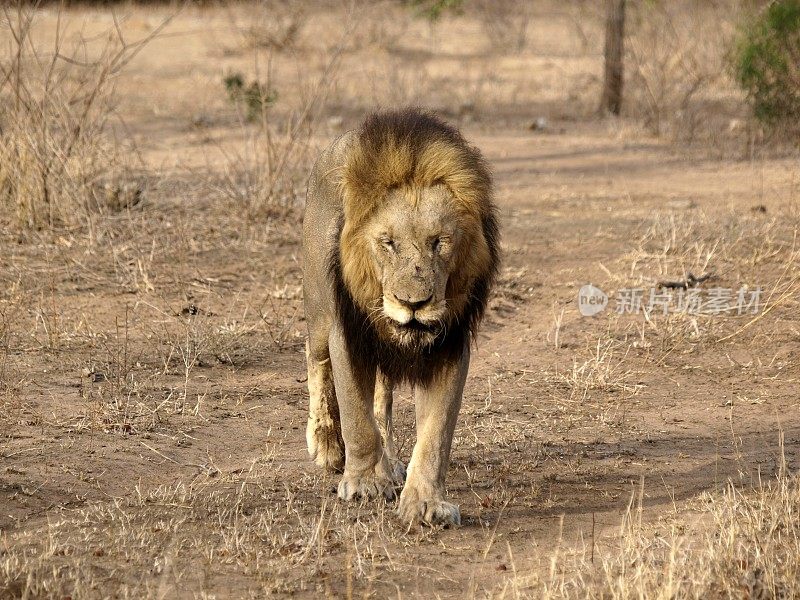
x=152, y=379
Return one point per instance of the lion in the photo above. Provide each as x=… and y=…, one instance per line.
x=400, y=249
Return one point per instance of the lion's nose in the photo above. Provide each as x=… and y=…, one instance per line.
x=414, y=305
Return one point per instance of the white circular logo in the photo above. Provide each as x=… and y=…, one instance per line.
x=591, y=300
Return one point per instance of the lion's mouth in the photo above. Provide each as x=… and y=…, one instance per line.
x=416, y=326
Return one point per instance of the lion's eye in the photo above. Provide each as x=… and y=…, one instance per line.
x=439, y=243
x=388, y=244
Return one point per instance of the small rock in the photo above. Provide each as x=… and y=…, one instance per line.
x=93, y=376
x=539, y=124
x=191, y=310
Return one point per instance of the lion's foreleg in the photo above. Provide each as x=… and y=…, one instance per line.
x=437, y=409
x=367, y=472
x=383, y=416
x=323, y=432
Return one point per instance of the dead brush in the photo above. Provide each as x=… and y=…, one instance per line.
x=269, y=24
x=266, y=178
x=382, y=24
x=134, y=385
x=58, y=164
x=279, y=313
x=673, y=63
x=674, y=245
x=661, y=335
x=726, y=251
x=677, y=244
x=586, y=18
x=505, y=23
x=11, y=378
x=148, y=373
x=119, y=394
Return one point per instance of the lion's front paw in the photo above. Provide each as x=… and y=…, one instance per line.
x=366, y=487
x=324, y=445
x=430, y=510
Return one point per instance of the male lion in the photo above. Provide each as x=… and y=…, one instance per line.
x=400, y=245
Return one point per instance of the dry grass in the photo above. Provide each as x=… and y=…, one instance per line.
x=220, y=531
x=698, y=242
x=246, y=528
x=733, y=250
x=603, y=371
x=739, y=542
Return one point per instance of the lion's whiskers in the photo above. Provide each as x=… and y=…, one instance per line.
x=377, y=309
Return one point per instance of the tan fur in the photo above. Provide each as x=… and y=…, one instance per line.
x=388, y=175
x=323, y=431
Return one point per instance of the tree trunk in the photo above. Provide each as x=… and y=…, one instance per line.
x=614, y=54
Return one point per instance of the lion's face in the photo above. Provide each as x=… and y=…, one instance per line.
x=413, y=240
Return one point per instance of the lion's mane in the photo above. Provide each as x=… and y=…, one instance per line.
x=414, y=149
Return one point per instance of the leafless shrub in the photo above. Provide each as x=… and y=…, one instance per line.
x=673, y=62
x=266, y=177
x=58, y=163
x=586, y=18
x=276, y=25
x=505, y=23
x=400, y=84
x=381, y=24
x=467, y=95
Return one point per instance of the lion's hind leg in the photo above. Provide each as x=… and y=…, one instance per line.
x=324, y=430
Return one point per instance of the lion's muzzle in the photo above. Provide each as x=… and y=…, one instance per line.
x=424, y=312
